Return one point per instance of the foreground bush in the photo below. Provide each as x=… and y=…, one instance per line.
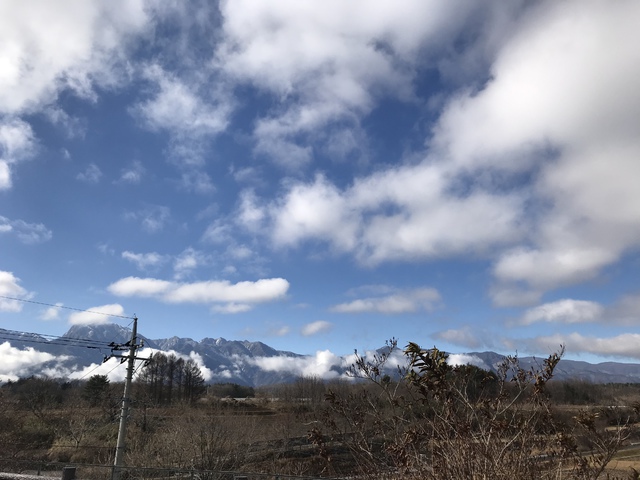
x=441, y=421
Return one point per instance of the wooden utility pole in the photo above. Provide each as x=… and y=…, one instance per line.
x=126, y=401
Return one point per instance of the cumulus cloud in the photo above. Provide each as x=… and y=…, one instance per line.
x=113, y=368
x=404, y=213
x=18, y=363
x=324, y=364
x=457, y=359
x=400, y=302
x=51, y=313
x=237, y=297
x=28, y=233
x=465, y=337
x=314, y=328
x=548, y=269
x=217, y=233
x=144, y=261
x=95, y=34
x=188, y=261
x=280, y=331
x=71, y=126
x=152, y=218
x=92, y=174
x=197, y=181
x=564, y=311
x=625, y=311
x=10, y=287
x=624, y=345
x=21, y=363
x=329, y=65
x=17, y=143
x=186, y=109
x=36, y=70
x=231, y=308
x=96, y=315
x=535, y=168
x=133, y=174
x=563, y=115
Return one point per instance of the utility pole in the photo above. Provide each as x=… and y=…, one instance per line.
x=126, y=400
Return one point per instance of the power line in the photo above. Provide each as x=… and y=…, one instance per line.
x=28, y=337
x=24, y=300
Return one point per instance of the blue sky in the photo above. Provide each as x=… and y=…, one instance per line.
x=325, y=175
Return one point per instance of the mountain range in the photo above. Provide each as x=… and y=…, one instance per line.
x=251, y=363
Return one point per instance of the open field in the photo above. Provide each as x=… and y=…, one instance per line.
x=462, y=420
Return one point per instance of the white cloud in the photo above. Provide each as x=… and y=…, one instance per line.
x=401, y=302
x=315, y=328
x=264, y=290
x=330, y=64
x=96, y=315
x=152, y=218
x=144, y=261
x=323, y=364
x=563, y=115
x=551, y=268
x=105, y=249
x=91, y=175
x=405, y=213
x=513, y=295
x=465, y=337
x=197, y=181
x=314, y=211
x=229, y=270
x=51, y=313
x=5, y=175
x=217, y=233
x=239, y=252
x=535, y=168
x=91, y=36
x=72, y=127
x=92, y=39
x=279, y=331
x=624, y=345
x=625, y=311
x=133, y=174
x=231, y=308
x=17, y=143
x=9, y=287
x=18, y=363
x=250, y=214
x=117, y=371
x=31, y=233
x=564, y=311
x=28, y=233
x=188, y=261
x=187, y=110
x=457, y=359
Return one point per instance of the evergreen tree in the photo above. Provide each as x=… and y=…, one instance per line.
x=96, y=389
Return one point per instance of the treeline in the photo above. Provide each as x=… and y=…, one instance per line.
x=167, y=378
x=230, y=390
